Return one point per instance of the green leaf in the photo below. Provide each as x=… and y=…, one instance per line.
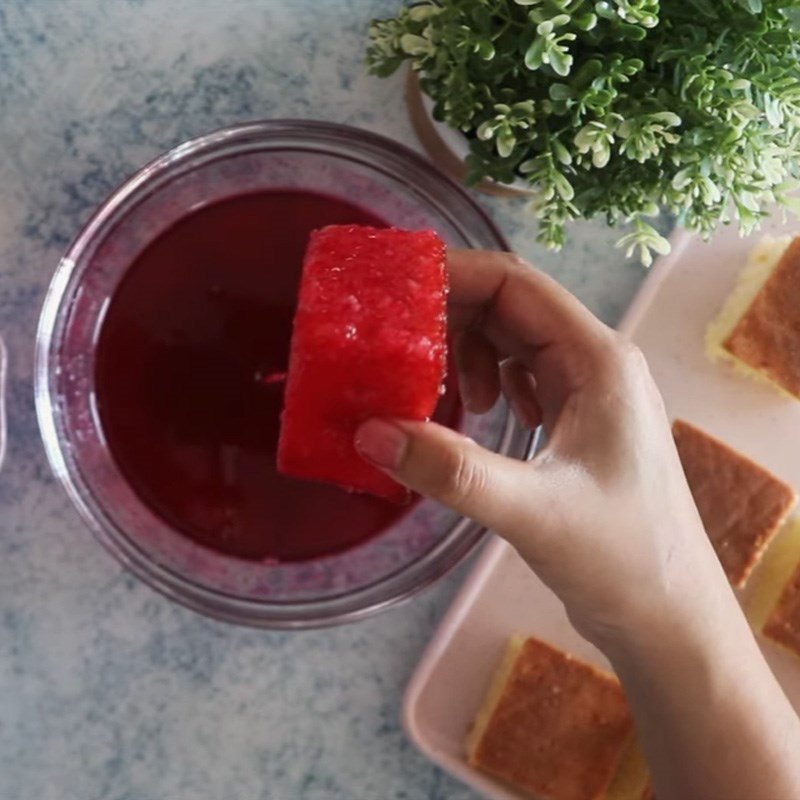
x=632, y=32
x=505, y=144
x=668, y=118
x=563, y=187
x=753, y=6
x=534, y=54
x=485, y=49
x=614, y=107
x=559, y=91
x=423, y=11
x=414, y=45
x=601, y=153
x=605, y=10
x=486, y=130
x=586, y=22
x=773, y=110
x=560, y=61
x=561, y=153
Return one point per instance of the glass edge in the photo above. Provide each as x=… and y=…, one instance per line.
x=431, y=566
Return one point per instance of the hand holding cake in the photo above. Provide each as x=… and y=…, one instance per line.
x=603, y=512
x=604, y=515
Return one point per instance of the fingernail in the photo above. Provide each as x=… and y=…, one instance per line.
x=382, y=443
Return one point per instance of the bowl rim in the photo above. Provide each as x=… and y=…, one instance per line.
x=460, y=540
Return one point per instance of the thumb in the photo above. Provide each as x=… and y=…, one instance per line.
x=446, y=466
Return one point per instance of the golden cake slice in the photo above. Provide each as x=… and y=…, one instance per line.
x=742, y=505
x=632, y=777
x=758, y=329
x=773, y=573
x=551, y=725
x=783, y=624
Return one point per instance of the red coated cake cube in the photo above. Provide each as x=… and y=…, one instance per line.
x=369, y=341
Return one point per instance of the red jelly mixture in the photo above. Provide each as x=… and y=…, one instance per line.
x=190, y=377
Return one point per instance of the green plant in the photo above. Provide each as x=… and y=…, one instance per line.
x=617, y=107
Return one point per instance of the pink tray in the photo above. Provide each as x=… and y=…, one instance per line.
x=502, y=596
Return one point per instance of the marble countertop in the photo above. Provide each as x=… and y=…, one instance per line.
x=107, y=690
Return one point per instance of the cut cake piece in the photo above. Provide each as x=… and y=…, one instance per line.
x=632, y=776
x=551, y=725
x=773, y=573
x=758, y=328
x=783, y=624
x=742, y=505
x=369, y=340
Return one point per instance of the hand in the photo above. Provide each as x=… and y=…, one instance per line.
x=603, y=513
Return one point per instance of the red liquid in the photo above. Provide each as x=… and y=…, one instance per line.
x=190, y=368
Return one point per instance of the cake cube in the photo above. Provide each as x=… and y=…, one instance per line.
x=551, y=725
x=742, y=505
x=369, y=340
x=632, y=776
x=758, y=329
x=783, y=624
x=774, y=571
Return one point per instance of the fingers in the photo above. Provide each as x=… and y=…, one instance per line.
x=442, y=464
x=542, y=309
x=519, y=386
x=478, y=374
x=526, y=315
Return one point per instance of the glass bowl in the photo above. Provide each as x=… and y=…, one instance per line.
x=369, y=170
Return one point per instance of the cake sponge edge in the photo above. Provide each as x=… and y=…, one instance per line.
x=761, y=262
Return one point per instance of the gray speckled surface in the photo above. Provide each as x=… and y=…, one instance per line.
x=106, y=689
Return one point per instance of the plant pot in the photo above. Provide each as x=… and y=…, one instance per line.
x=447, y=147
